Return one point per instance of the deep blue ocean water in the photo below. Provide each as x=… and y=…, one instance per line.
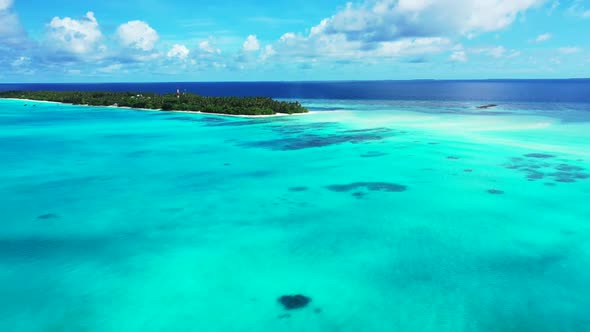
x=394, y=206
x=563, y=91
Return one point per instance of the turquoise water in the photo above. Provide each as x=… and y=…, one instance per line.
x=407, y=216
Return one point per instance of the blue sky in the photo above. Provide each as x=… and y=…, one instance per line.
x=222, y=40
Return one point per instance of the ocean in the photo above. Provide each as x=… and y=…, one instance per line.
x=393, y=206
x=574, y=90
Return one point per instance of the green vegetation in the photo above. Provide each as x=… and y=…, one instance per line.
x=166, y=102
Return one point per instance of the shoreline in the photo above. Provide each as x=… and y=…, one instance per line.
x=161, y=110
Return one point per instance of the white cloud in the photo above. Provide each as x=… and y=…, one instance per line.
x=380, y=20
x=178, y=51
x=554, y=6
x=111, y=68
x=5, y=4
x=268, y=52
x=398, y=28
x=569, y=50
x=543, y=37
x=577, y=8
x=497, y=52
x=514, y=54
x=11, y=32
x=138, y=34
x=337, y=46
x=208, y=47
x=21, y=61
x=76, y=36
x=459, y=56
x=251, y=44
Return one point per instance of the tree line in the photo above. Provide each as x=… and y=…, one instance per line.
x=166, y=102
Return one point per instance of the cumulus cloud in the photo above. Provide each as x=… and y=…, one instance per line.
x=111, y=68
x=75, y=36
x=21, y=61
x=138, y=35
x=179, y=52
x=11, y=32
x=337, y=46
x=578, y=9
x=401, y=28
x=5, y=4
x=569, y=50
x=268, y=52
x=208, y=47
x=495, y=52
x=383, y=20
x=554, y=5
x=543, y=37
x=251, y=44
x=459, y=56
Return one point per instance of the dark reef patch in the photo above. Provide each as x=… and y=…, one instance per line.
x=291, y=129
x=539, y=155
x=379, y=130
x=495, y=192
x=258, y=174
x=532, y=174
x=568, y=168
x=570, y=176
x=371, y=186
x=298, y=189
x=358, y=194
x=139, y=136
x=211, y=120
x=535, y=170
x=182, y=118
x=139, y=153
x=373, y=154
x=48, y=216
x=307, y=141
x=291, y=302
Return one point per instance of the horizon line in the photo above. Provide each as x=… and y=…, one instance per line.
x=316, y=81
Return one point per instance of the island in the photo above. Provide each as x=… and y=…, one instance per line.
x=187, y=102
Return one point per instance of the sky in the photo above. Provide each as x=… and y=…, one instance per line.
x=294, y=40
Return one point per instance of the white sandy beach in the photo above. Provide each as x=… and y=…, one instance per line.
x=161, y=110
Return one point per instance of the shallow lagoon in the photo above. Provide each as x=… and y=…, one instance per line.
x=409, y=216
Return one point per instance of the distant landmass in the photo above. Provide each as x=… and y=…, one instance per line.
x=187, y=102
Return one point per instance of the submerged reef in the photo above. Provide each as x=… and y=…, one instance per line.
x=298, y=189
x=307, y=141
x=495, y=192
x=373, y=154
x=291, y=302
x=536, y=167
x=307, y=136
x=372, y=186
x=48, y=216
x=539, y=155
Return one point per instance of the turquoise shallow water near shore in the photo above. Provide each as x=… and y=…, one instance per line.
x=410, y=216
